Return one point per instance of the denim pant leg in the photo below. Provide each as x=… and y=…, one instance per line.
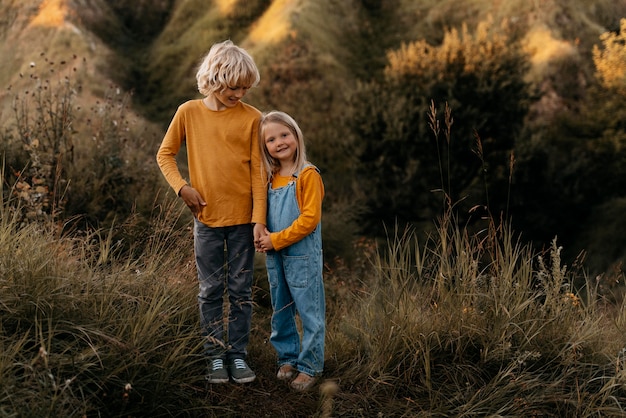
x=209, y=252
x=284, y=337
x=240, y=250
x=311, y=306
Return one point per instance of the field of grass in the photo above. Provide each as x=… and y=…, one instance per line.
x=459, y=325
x=98, y=311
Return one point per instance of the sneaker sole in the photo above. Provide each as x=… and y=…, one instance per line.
x=210, y=380
x=244, y=379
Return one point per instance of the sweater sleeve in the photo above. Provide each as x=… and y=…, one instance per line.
x=309, y=194
x=166, y=156
x=257, y=181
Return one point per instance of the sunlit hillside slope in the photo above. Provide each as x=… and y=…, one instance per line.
x=152, y=47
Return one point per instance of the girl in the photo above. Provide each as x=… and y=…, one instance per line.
x=293, y=246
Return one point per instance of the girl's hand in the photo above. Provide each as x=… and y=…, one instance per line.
x=265, y=243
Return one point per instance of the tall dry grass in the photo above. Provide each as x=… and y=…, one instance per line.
x=88, y=331
x=457, y=325
x=481, y=325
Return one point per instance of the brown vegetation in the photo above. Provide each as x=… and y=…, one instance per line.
x=446, y=313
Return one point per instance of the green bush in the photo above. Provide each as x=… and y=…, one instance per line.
x=480, y=77
x=581, y=151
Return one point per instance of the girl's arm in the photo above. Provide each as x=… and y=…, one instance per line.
x=309, y=194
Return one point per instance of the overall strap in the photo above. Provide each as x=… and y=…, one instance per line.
x=306, y=165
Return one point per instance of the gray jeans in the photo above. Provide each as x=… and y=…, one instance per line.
x=225, y=259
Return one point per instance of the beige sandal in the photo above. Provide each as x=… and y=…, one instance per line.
x=286, y=372
x=303, y=382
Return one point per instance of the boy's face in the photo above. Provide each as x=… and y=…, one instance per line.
x=230, y=96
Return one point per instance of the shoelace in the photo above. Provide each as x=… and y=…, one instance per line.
x=218, y=364
x=239, y=363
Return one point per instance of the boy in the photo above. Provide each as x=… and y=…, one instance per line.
x=227, y=197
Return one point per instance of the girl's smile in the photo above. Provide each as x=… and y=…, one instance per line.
x=281, y=144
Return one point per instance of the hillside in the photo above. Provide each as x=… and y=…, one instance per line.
x=312, y=54
x=152, y=47
x=475, y=134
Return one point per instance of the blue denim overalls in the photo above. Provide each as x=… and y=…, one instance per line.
x=295, y=277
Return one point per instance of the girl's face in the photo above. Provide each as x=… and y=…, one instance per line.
x=280, y=143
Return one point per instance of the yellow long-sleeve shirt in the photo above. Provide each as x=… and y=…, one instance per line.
x=224, y=161
x=309, y=194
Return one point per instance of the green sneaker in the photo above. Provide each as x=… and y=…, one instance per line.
x=217, y=372
x=240, y=372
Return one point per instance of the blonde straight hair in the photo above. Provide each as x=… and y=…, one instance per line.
x=270, y=164
x=226, y=65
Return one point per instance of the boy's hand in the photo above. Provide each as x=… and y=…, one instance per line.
x=260, y=234
x=192, y=199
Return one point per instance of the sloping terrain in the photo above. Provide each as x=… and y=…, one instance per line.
x=152, y=47
x=311, y=53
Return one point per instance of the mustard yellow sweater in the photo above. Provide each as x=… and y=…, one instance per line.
x=309, y=194
x=223, y=158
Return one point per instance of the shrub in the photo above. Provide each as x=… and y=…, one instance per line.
x=610, y=61
x=579, y=188
x=481, y=78
x=67, y=161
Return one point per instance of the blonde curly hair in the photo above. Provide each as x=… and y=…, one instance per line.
x=226, y=65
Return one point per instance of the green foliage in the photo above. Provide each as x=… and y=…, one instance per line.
x=481, y=78
x=582, y=151
x=597, y=173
